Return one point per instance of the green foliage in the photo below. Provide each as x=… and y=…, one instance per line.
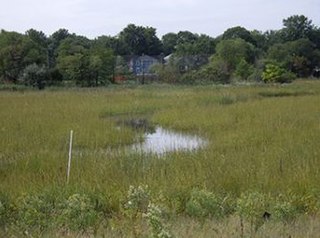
x=140, y=40
x=244, y=70
x=298, y=56
x=284, y=211
x=251, y=206
x=84, y=64
x=154, y=217
x=233, y=51
x=216, y=71
x=296, y=27
x=6, y=213
x=78, y=213
x=16, y=52
x=275, y=74
x=204, y=204
x=138, y=198
x=34, y=75
x=35, y=212
x=239, y=32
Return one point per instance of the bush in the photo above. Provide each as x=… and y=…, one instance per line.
x=216, y=71
x=275, y=74
x=244, y=70
x=78, y=213
x=284, y=211
x=34, y=212
x=34, y=75
x=204, y=204
x=138, y=198
x=155, y=222
x=252, y=206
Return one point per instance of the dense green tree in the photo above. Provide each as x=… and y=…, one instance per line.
x=300, y=56
x=34, y=75
x=117, y=44
x=186, y=37
x=141, y=40
x=38, y=37
x=296, y=27
x=272, y=37
x=16, y=52
x=243, y=70
x=84, y=63
x=101, y=65
x=169, y=42
x=73, y=59
x=239, y=32
x=54, y=41
x=202, y=45
x=215, y=71
x=260, y=40
x=233, y=51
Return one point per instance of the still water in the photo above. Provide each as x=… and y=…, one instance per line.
x=161, y=141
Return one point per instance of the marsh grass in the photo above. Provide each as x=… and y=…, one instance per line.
x=258, y=141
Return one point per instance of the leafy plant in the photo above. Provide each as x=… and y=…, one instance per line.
x=138, y=198
x=275, y=74
x=251, y=206
x=155, y=221
x=34, y=212
x=78, y=213
x=284, y=211
x=204, y=204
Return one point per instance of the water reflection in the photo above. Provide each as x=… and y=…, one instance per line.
x=161, y=141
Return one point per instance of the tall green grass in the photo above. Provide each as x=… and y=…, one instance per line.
x=261, y=138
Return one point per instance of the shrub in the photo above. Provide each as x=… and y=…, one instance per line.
x=284, y=211
x=216, y=71
x=34, y=75
x=251, y=206
x=78, y=213
x=34, y=212
x=138, y=198
x=203, y=204
x=155, y=222
x=244, y=70
x=275, y=74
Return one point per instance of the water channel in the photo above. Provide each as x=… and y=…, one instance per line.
x=161, y=141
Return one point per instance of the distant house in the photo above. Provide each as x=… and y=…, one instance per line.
x=141, y=65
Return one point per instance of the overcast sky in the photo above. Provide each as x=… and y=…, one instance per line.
x=94, y=18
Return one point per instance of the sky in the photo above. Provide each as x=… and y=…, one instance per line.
x=93, y=18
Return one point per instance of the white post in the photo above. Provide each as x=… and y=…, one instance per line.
x=70, y=155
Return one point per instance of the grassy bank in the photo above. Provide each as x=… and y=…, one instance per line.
x=262, y=140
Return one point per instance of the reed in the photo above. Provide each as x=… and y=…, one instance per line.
x=262, y=138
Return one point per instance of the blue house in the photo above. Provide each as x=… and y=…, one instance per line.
x=141, y=65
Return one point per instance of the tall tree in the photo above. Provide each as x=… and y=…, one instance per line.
x=300, y=56
x=117, y=44
x=239, y=32
x=141, y=40
x=186, y=37
x=16, y=52
x=169, y=42
x=235, y=50
x=73, y=59
x=54, y=42
x=38, y=37
x=296, y=27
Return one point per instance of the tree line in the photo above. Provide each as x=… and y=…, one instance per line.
x=65, y=58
